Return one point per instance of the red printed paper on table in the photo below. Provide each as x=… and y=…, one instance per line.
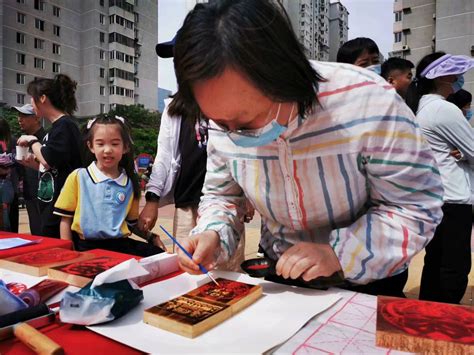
x=423, y=326
x=45, y=243
x=81, y=273
x=37, y=263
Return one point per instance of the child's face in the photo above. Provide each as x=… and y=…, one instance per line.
x=107, y=146
x=400, y=80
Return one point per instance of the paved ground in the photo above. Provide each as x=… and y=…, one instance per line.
x=252, y=238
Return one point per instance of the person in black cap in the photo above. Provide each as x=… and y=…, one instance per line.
x=30, y=124
x=178, y=172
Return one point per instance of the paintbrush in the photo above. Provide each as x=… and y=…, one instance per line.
x=202, y=268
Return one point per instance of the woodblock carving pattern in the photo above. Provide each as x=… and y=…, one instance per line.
x=45, y=257
x=90, y=268
x=203, y=308
x=228, y=291
x=187, y=310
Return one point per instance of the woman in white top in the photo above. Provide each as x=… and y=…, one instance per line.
x=448, y=255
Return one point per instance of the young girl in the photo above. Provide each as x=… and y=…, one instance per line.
x=99, y=203
x=60, y=151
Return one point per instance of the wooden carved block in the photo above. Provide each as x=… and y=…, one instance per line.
x=202, y=308
x=81, y=273
x=424, y=327
x=37, y=263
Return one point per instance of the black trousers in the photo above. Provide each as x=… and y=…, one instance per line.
x=49, y=221
x=122, y=245
x=448, y=256
x=389, y=286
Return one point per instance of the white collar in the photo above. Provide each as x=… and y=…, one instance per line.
x=98, y=176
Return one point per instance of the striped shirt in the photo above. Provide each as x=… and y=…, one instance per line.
x=357, y=174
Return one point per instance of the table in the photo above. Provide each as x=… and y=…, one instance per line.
x=349, y=326
x=45, y=243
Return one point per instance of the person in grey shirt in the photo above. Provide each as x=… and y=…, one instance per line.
x=31, y=124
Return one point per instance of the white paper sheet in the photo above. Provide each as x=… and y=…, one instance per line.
x=9, y=243
x=275, y=317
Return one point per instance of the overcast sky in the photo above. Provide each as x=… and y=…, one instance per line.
x=367, y=18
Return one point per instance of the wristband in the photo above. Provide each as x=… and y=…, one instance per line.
x=151, y=197
x=30, y=143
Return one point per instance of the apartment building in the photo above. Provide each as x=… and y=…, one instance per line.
x=107, y=46
x=338, y=28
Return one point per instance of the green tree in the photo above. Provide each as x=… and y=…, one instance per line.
x=11, y=116
x=144, y=124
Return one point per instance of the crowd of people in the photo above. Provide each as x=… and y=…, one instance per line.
x=354, y=166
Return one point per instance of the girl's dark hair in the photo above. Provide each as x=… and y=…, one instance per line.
x=127, y=162
x=5, y=132
x=351, y=50
x=252, y=37
x=60, y=91
x=420, y=85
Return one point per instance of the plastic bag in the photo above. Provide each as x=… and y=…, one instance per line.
x=100, y=304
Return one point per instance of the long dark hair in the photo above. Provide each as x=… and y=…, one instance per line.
x=127, y=162
x=252, y=37
x=60, y=91
x=420, y=85
x=351, y=50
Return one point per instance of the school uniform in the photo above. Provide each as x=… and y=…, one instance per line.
x=101, y=209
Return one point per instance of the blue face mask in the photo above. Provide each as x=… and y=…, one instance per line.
x=458, y=84
x=376, y=68
x=259, y=137
x=469, y=114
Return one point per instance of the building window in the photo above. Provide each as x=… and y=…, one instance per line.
x=102, y=19
x=39, y=43
x=56, y=67
x=39, y=63
x=102, y=91
x=20, y=99
x=20, y=79
x=20, y=38
x=101, y=37
x=102, y=108
x=102, y=72
x=137, y=82
x=20, y=58
x=39, y=5
x=56, y=30
x=56, y=11
x=398, y=37
x=101, y=2
x=20, y=18
x=102, y=54
x=39, y=24
x=20, y=1
x=398, y=16
x=56, y=48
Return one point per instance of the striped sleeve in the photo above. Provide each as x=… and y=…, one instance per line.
x=221, y=204
x=405, y=196
x=66, y=204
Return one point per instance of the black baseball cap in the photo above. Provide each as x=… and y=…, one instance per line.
x=165, y=49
